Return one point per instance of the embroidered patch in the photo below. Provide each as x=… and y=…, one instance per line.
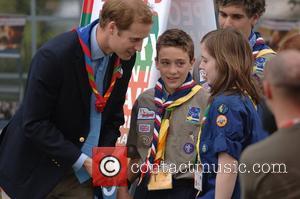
x=193, y=115
x=221, y=120
x=146, y=140
x=145, y=114
x=223, y=109
x=204, y=148
x=144, y=128
x=188, y=148
x=202, y=76
x=260, y=63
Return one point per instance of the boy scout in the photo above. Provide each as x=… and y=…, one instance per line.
x=243, y=16
x=165, y=123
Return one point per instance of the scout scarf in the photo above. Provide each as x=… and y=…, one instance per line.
x=259, y=49
x=84, y=39
x=258, y=45
x=161, y=123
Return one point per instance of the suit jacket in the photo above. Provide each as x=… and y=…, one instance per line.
x=43, y=139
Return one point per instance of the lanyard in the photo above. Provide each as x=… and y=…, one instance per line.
x=199, y=134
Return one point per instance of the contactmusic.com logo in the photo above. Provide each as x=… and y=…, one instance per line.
x=109, y=166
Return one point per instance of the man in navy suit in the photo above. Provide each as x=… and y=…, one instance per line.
x=74, y=101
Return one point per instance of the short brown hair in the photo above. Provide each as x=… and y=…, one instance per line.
x=234, y=63
x=291, y=42
x=251, y=7
x=287, y=64
x=176, y=38
x=124, y=13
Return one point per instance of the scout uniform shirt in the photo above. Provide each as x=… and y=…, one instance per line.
x=182, y=134
x=232, y=123
x=284, y=181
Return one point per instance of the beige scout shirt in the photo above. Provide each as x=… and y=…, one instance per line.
x=182, y=135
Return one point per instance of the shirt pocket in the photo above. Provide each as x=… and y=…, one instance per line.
x=192, y=129
x=186, y=143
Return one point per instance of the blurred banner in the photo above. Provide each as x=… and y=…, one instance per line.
x=11, y=35
x=282, y=19
x=196, y=17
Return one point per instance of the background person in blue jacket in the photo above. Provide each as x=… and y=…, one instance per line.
x=231, y=122
x=243, y=15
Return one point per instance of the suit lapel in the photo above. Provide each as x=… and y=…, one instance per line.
x=82, y=77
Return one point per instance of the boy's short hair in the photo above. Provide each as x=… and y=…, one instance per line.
x=251, y=7
x=291, y=42
x=176, y=38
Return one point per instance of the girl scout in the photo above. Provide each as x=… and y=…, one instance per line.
x=231, y=120
x=165, y=123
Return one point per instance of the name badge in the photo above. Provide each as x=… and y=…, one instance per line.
x=198, y=180
x=160, y=180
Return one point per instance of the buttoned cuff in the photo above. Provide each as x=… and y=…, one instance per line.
x=78, y=164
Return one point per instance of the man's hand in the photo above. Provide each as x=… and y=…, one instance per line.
x=88, y=165
x=122, y=193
